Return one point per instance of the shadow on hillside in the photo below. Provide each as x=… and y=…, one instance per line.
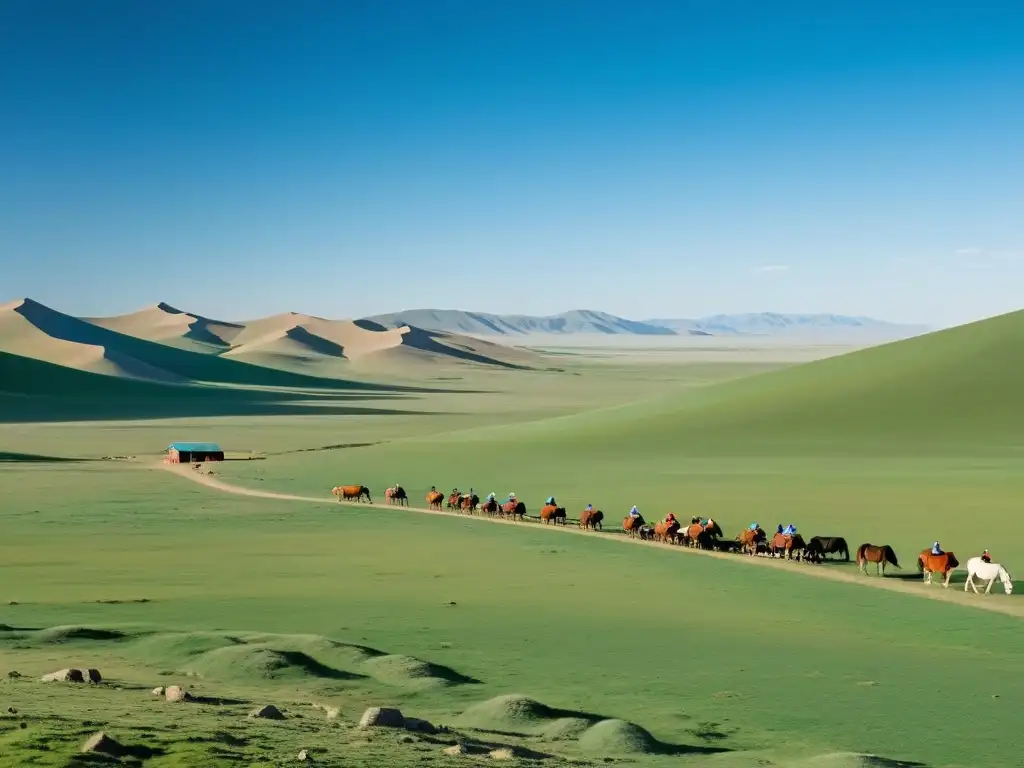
x=7, y=456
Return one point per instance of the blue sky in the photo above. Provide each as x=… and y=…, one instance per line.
x=643, y=158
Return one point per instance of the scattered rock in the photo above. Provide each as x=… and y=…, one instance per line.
x=268, y=712
x=502, y=754
x=158, y=691
x=303, y=755
x=94, y=675
x=64, y=676
x=102, y=744
x=176, y=693
x=331, y=712
x=419, y=726
x=383, y=717
x=12, y=711
x=455, y=750
x=13, y=674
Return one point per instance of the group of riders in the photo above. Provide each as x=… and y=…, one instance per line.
x=787, y=530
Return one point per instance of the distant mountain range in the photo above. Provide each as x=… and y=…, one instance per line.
x=584, y=321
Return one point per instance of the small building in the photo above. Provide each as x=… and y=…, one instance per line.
x=188, y=453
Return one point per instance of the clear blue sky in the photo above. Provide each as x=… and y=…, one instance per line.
x=643, y=158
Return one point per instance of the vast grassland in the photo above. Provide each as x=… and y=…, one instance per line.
x=253, y=601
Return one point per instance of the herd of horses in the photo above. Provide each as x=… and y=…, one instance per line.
x=706, y=535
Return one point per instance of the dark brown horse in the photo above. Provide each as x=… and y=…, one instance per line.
x=701, y=536
x=490, y=507
x=454, y=499
x=469, y=502
x=514, y=509
x=549, y=513
x=591, y=518
x=350, y=492
x=751, y=542
x=790, y=547
x=397, y=496
x=434, y=499
x=819, y=546
x=632, y=526
x=879, y=555
x=927, y=564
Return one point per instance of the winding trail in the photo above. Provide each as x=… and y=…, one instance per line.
x=997, y=603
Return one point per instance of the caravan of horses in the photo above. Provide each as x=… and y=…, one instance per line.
x=707, y=535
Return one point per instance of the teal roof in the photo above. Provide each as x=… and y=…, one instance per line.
x=195, y=447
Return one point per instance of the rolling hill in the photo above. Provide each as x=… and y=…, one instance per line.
x=590, y=322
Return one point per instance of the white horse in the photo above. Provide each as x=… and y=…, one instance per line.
x=976, y=567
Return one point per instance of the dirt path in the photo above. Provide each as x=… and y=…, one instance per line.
x=998, y=603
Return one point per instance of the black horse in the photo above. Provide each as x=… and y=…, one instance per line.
x=819, y=546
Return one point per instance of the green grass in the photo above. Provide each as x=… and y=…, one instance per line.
x=575, y=646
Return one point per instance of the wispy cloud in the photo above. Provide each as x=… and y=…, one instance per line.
x=972, y=251
x=772, y=268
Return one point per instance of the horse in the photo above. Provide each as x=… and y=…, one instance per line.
x=701, y=536
x=666, y=532
x=514, y=509
x=591, y=518
x=927, y=564
x=397, y=496
x=869, y=553
x=454, y=499
x=490, y=507
x=434, y=499
x=724, y=545
x=750, y=541
x=632, y=525
x=976, y=567
x=349, y=492
x=647, y=532
x=784, y=545
x=469, y=502
x=819, y=546
x=549, y=513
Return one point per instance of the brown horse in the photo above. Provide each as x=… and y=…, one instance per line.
x=350, y=492
x=702, y=536
x=434, y=499
x=789, y=546
x=469, y=502
x=666, y=532
x=591, y=519
x=454, y=500
x=869, y=553
x=927, y=564
x=632, y=526
x=514, y=509
x=490, y=507
x=752, y=541
x=397, y=496
x=549, y=513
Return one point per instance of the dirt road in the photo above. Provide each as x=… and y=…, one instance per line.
x=996, y=602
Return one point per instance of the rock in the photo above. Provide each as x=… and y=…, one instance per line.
x=303, y=755
x=12, y=711
x=13, y=674
x=158, y=691
x=102, y=744
x=176, y=693
x=64, y=676
x=502, y=754
x=94, y=676
x=331, y=712
x=419, y=726
x=383, y=717
x=455, y=750
x=268, y=712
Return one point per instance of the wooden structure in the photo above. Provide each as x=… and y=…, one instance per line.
x=188, y=453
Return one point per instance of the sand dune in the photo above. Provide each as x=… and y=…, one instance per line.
x=163, y=323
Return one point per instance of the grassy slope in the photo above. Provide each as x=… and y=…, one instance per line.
x=680, y=645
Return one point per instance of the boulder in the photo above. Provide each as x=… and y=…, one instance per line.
x=268, y=712
x=158, y=691
x=382, y=717
x=455, y=750
x=94, y=675
x=176, y=693
x=64, y=676
x=102, y=744
x=502, y=754
x=419, y=726
x=303, y=755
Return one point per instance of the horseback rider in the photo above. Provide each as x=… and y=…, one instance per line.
x=986, y=556
x=754, y=526
x=590, y=508
x=780, y=529
x=511, y=497
x=551, y=501
x=790, y=530
x=670, y=518
x=936, y=549
x=634, y=512
x=490, y=496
